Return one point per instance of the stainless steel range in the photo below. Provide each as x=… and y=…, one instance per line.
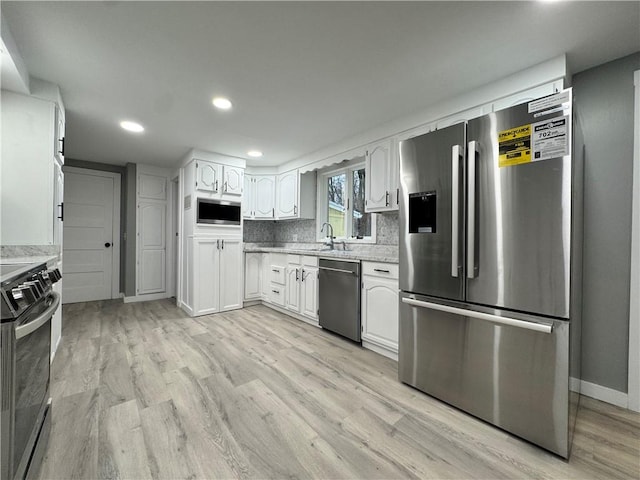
x=27, y=304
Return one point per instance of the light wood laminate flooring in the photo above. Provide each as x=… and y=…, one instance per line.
x=143, y=391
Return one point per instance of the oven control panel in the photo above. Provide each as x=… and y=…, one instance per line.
x=23, y=292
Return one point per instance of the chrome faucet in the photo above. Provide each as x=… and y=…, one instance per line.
x=329, y=242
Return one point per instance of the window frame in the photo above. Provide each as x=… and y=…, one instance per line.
x=323, y=196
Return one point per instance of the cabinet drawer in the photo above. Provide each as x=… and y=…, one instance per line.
x=276, y=294
x=310, y=261
x=379, y=269
x=277, y=274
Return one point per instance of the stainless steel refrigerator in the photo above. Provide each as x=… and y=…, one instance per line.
x=490, y=267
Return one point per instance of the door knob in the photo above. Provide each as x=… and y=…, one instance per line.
x=107, y=244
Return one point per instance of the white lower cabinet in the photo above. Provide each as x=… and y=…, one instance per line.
x=302, y=285
x=252, y=276
x=380, y=305
x=218, y=271
x=286, y=281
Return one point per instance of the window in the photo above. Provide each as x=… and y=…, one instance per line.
x=342, y=206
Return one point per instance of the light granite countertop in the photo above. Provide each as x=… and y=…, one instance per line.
x=373, y=253
x=13, y=254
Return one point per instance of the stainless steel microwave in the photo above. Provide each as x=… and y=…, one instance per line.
x=218, y=212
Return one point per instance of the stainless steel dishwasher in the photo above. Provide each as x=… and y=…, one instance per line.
x=339, y=287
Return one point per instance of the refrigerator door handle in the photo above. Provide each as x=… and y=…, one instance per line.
x=455, y=198
x=512, y=322
x=472, y=152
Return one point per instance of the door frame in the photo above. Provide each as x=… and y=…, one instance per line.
x=115, y=228
x=633, y=385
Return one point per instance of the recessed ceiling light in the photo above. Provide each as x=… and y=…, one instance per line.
x=254, y=153
x=222, y=103
x=132, y=126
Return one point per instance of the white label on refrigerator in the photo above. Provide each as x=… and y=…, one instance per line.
x=551, y=101
x=550, y=139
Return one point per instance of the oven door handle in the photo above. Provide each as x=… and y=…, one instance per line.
x=33, y=325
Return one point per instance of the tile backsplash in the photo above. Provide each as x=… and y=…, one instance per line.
x=304, y=231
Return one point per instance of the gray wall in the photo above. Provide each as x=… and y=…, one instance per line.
x=130, y=220
x=304, y=231
x=604, y=98
x=127, y=217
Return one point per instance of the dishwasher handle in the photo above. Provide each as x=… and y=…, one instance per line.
x=339, y=270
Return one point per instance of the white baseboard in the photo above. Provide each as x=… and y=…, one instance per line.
x=146, y=298
x=295, y=315
x=186, y=308
x=380, y=350
x=604, y=394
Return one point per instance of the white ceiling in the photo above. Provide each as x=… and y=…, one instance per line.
x=301, y=75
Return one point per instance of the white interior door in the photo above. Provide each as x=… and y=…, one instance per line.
x=91, y=199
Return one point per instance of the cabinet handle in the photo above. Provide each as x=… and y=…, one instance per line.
x=295, y=209
x=273, y=212
x=275, y=270
x=276, y=291
x=61, y=151
x=61, y=216
x=225, y=186
x=297, y=275
x=222, y=244
x=381, y=270
x=218, y=244
x=215, y=186
x=397, y=196
x=303, y=274
x=386, y=197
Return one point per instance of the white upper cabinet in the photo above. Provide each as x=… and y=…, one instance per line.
x=221, y=181
x=381, y=177
x=30, y=150
x=233, y=181
x=287, y=203
x=58, y=138
x=259, y=198
x=295, y=195
x=249, y=197
x=265, y=196
x=207, y=176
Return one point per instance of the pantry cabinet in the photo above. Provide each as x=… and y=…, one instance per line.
x=380, y=305
x=218, y=272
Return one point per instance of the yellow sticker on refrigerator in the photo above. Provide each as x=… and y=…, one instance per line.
x=514, y=146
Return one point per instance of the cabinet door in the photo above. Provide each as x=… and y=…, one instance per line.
x=378, y=177
x=232, y=181
x=287, y=195
x=152, y=247
x=58, y=206
x=252, y=276
x=309, y=292
x=266, y=279
x=207, y=176
x=58, y=137
x=230, y=274
x=207, y=268
x=380, y=311
x=265, y=191
x=292, y=285
x=248, y=197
